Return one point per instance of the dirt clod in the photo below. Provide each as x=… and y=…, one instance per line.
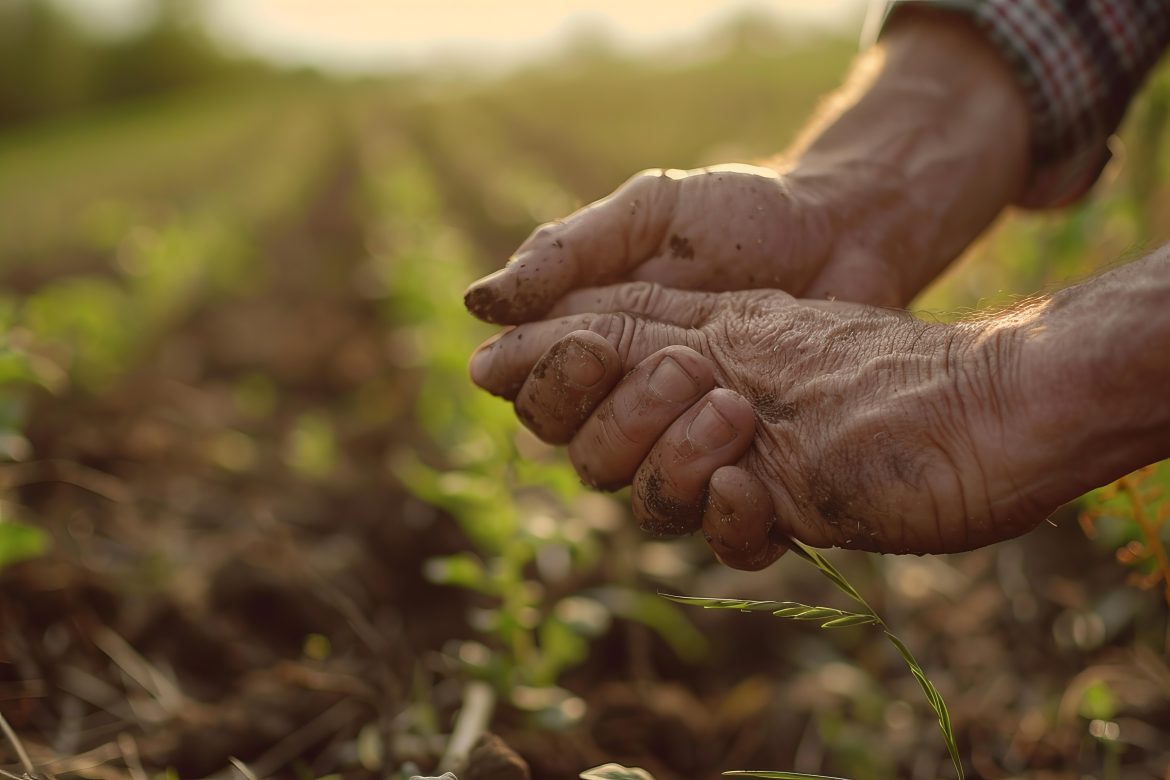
x=492, y=759
x=680, y=247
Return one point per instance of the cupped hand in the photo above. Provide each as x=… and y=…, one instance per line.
x=759, y=417
x=730, y=227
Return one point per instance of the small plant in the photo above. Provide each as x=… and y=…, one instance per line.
x=828, y=617
x=1132, y=515
x=19, y=373
x=528, y=540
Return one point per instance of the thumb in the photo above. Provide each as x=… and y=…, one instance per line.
x=599, y=243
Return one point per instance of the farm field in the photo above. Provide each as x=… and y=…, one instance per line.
x=264, y=515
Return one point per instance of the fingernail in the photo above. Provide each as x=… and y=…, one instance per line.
x=670, y=383
x=480, y=363
x=710, y=430
x=581, y=366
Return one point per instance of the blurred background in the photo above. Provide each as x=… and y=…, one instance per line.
x=251, y=507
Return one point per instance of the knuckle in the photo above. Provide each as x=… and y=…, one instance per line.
x=639, y=296
x=647, y=177
x=652, y=183
x=548, y=233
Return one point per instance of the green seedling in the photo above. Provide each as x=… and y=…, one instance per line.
x=830, y=617
x=518, y=514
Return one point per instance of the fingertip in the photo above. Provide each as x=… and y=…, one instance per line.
x=738, y=520
x=510, y=296
x=486, y=298
x=567, y=384
x=480, y=366
x=491, y=366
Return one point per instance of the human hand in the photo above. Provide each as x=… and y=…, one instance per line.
x=896, y=174
x=834, y=424
x=729, y=227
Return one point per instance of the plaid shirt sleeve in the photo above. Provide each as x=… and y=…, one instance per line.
x=1079, y=63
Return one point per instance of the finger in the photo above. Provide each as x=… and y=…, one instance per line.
x=600, y=242
x=670, y=484
x=684, y=308
x=739, y=521
x=567, y=383
x=501, y=364
x=616, y=438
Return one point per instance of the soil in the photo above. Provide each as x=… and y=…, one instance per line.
x=181, y=616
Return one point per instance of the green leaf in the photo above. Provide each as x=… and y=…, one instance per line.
x=19, y=542
x=462, y=570
x=15, y=368
x=812, y=613
x=615, y=772
x=829, y=570
x=791, y=610
x=312, y=446
x=560, y=648
x=850, y=620
x=743, y=605
x=1098, y=702
x=836, y=618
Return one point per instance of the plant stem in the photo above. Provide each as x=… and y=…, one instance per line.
x=21, y=753
x=479, y=700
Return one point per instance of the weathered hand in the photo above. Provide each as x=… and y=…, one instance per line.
x=860, y=427
x=731, y=227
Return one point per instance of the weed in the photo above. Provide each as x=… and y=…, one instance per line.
x=520, y=514
x=1132, y=515
x=828, y=617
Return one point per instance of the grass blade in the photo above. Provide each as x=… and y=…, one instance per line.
x=743, y=605
x=791, y=610
x=837, y=618
x=935, y=699
x=850, y=620
x=830, y=571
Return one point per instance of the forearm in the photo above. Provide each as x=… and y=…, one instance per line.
x=1095, y=371
x=918, y=153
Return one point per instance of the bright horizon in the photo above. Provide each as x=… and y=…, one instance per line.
x=370, y=35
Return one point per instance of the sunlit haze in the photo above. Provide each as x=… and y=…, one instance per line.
x=372, y=34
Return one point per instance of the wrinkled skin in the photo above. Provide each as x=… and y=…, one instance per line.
x=849, y=425
x=729, y=227
x=861, y=427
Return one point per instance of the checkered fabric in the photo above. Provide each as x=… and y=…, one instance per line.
x=1080, y=63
